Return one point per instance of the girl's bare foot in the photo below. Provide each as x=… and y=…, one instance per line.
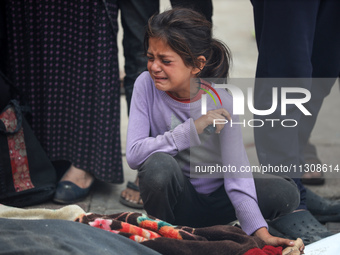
x=131, y=196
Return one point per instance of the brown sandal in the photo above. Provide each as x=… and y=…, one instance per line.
x=124, y=201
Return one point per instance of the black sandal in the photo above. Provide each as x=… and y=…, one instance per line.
x=300, y=224
x=324, y=210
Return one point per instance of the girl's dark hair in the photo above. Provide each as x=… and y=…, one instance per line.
x=189, y=34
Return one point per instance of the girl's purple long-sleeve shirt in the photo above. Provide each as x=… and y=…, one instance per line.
x=159, y=123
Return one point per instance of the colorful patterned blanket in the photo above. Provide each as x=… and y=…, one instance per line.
x=168, y=239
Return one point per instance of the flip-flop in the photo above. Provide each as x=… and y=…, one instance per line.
x=128, y=203
x=324, y=210
x=300, y=224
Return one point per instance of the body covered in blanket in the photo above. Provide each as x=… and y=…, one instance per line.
x=153, y=236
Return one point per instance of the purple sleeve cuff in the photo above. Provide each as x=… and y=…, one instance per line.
x=185, y=135
x=250, y=216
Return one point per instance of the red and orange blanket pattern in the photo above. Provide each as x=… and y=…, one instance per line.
x=168, y=239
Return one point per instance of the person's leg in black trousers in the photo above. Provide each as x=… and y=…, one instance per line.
x=325, y=62
x=134, y=17
x=203, y=6
x=289, y=36
x=326, y=67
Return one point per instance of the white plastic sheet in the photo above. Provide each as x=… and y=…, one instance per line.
x=326, y=246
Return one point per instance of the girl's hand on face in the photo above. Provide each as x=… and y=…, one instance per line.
x=205, y=120
x=263, y=234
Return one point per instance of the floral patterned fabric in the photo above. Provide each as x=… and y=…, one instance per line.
x=168, y=239
x=17, y=152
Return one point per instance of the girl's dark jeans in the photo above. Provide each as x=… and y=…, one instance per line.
x=168, y=195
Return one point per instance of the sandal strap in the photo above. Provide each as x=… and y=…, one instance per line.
x=132, y=185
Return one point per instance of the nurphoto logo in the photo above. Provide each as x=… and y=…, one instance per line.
x=239, y=103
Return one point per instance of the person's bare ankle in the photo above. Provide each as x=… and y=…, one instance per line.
x=78, y=176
